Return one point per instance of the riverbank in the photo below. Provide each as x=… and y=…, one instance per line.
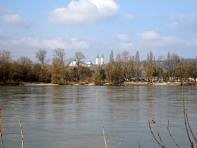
x=81, y=83
x=162, y=83
x=154, y=83
x=139, y=83
x=38, y=84
x=9, y=83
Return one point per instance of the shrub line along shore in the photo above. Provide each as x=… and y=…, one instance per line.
x=103, y=84
x=124, y=69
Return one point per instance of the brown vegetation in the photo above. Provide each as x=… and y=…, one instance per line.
x=123, y=68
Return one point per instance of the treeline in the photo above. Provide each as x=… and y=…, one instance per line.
x=171, y=68
x=55, y=71
x=124, y=67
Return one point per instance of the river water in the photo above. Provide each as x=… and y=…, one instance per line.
x=74, y=116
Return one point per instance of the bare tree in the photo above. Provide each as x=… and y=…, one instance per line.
x=42, y=69
x=137, y=65
x=58, y=67
x=5, y=65
x=132, y=67
x=192, y=70
x=181, y=70
x=25, y=68
x=149, y=67
x=111, y=57
x=124, y=56
x=115, y=71
x=170, y=65
x=59, y=56
x=79, y=56
x=5, y=55
x=41, y=56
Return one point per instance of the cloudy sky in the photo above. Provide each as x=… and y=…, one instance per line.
x=98, y=26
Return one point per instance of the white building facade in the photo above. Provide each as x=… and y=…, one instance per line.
x=100, y=60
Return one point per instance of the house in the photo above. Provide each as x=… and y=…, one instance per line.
x=73, y=63
x=83, y=63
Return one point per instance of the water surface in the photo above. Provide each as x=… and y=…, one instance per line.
x=73, y=116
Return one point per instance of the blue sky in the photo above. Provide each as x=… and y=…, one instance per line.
x=98, y=26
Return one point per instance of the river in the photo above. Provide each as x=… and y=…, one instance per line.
x=74, y=116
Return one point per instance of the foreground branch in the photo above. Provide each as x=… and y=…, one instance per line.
x=173, y=139
x=105, y=141
x=21, y=131
x=158, y=140
x=189, y=131
x=192, y=133
x=1, y=128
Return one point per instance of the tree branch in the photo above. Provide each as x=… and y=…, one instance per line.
x=173, y=139
x=160, y=143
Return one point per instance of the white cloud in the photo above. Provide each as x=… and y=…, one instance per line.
x=34, y=43
x=126, y=45
x=148, y=36
x=188, y=21
x=154, y=41
x=122, y=37
x=84, y=11
x=167, y=41
x=151, y=39
x=124, y=42
x=13, y=19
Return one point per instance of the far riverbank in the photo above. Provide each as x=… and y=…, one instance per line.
x=101, y=84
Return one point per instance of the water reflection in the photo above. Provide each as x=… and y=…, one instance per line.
x=73, y=116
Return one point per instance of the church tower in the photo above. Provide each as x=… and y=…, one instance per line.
x=102, y=60
x=97, y=60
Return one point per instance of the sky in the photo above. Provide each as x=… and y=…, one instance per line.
x=99, y=26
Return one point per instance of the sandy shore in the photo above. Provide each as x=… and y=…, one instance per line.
x=39, y=84
x=135, y=83
x=108, y=84
x=167, y=84
x=156, y=83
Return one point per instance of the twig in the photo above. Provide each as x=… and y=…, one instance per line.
x=139, y=145
x=105, y=141
x=22, y=135
x=21, y=130
x=173, y=139
x=154, y=137
x=2, y=144
x=192, y=133
x=186, y=124
x=1, y=129
x=161, y=141
x=119, y=144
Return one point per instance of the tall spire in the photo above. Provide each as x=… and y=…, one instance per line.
x=102, y=59
x=97, y=60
